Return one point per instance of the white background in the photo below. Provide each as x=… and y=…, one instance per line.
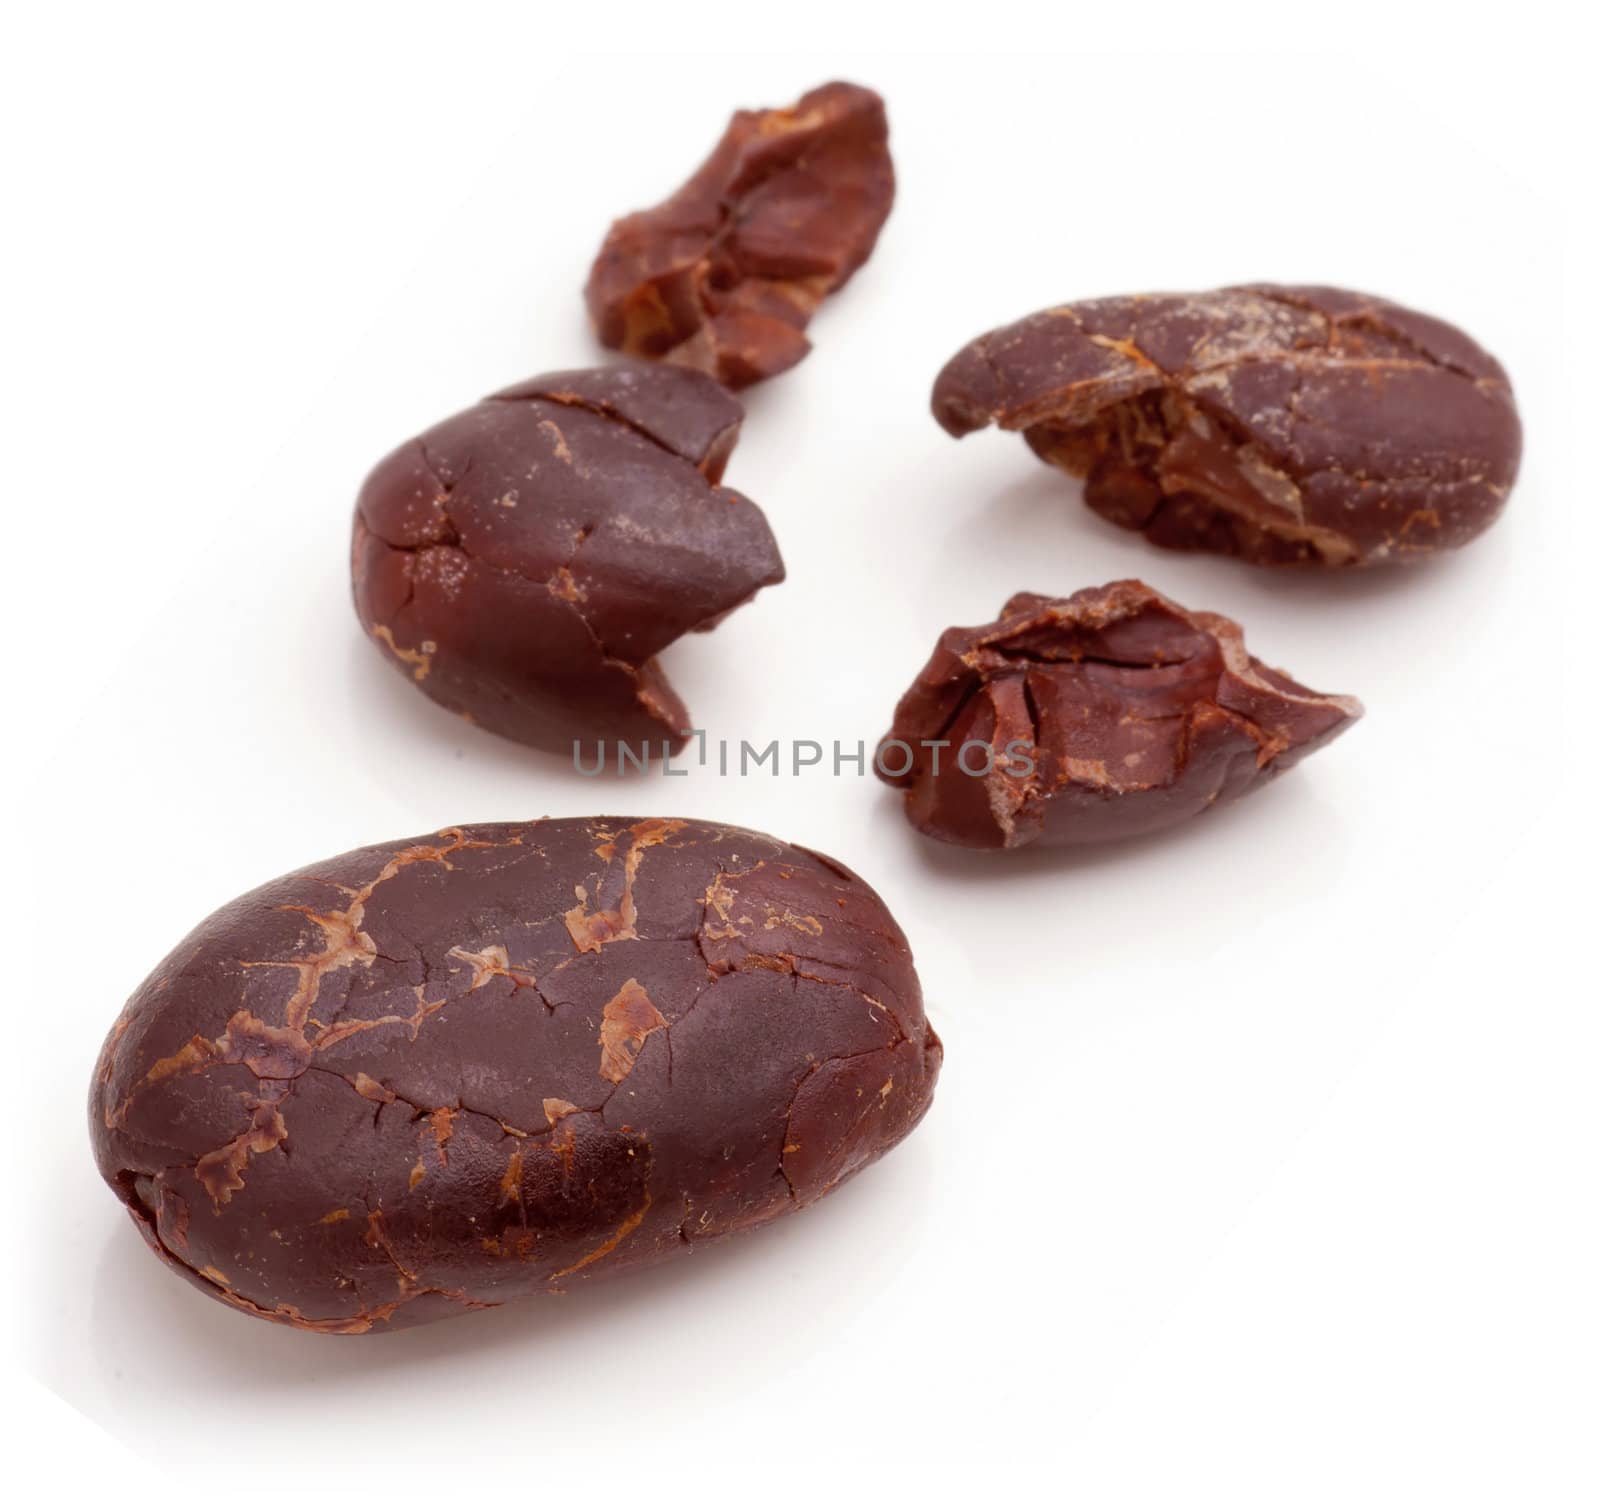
x=1263, y=1168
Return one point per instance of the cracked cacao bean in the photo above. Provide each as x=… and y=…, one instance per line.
x=524, y=562
x=444, y=1073
x=1107, y=714
x=1282, y=425
x=725, y=275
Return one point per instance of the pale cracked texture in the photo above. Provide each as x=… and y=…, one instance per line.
x=524, y=562
x=725, y=275
x=1283, y=425
x=1135, y=714
x=444, y=1073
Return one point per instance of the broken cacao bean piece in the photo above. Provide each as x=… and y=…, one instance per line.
x=524, y=562
x=1111, y=713
x=444, y=1073
x=725, y=275
x=1282, y=425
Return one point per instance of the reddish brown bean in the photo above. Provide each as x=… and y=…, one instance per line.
x=725, y=275
x=1107, y=714
x=524, y=562
x=440, y=1074
x=1281, y=425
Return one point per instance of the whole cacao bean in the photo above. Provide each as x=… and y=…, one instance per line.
x=439, y=1074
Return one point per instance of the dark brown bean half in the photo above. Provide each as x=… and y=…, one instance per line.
x=725, y=275
x=1282, y=425
x=526, y=561
x=1107, y=714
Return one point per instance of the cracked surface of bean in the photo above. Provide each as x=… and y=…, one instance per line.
x=1281, y=425
x=725, y=275
x=524, y=562
x=444, y=1073
x=1111, y=713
